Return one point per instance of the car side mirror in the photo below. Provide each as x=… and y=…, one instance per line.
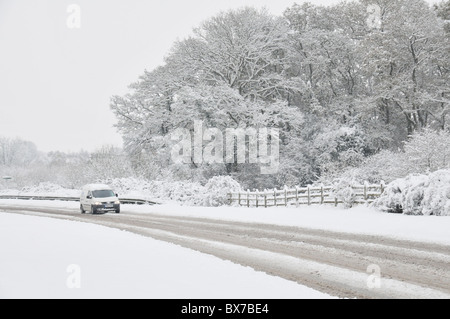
x=89, y=197
x=117, y=195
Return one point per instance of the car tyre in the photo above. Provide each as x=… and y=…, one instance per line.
x=93, y=210
x=82, y=209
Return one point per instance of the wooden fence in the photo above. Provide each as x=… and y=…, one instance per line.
x=361, y=194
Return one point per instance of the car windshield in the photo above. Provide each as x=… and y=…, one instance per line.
x=103, y=193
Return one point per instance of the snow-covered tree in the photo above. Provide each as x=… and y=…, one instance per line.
x=428, y=151
x=425, y=151
x=244, y=49
x=406, y=65
x=17, y=152
x=231, y=74
x=109, y=162
x=341, y=83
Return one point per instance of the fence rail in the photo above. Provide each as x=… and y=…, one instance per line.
x=362, y=194
x=133, y=201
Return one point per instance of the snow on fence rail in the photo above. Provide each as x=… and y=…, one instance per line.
x=361, y=194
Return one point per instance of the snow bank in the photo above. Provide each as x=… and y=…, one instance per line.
x=418, y=195
x=43, y=189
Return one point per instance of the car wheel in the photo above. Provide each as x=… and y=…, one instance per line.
x=118, y=211
x=82, y=209
x=93, y=210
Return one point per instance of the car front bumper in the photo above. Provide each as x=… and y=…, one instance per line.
x=107, y=207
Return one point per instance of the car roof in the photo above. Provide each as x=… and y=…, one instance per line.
x=96, y=187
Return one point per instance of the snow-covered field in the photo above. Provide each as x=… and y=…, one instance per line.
x=49, y=258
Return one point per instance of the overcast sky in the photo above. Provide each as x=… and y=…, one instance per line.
x=56, y=81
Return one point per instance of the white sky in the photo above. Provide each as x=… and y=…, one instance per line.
x=56, y=82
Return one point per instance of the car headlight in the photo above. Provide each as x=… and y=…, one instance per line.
x=97, y=203
x=117, y=202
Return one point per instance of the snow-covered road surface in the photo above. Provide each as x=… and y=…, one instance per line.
x=336, y=263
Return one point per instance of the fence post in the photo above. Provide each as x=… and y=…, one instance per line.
x=275, y=197
x=257, y=195
x=285, y=196
x=321, y=195
x=230, y=198
x=382, y=188
x=296, y=196
x=335, y=201
x=239, y=198
x=248, y=198
x=309, y=198
x=365, y=191
x=265, y=198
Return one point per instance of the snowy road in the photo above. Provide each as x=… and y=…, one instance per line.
x=340, y=264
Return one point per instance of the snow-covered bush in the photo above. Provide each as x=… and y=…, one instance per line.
x=384, y=166
x=217, y=190
x=337, y=148
x=343, y=190
x=182, y=192
x=436, y=199
x=418, y=195
x=426, y=151
x=49, y=189
x=213, y=193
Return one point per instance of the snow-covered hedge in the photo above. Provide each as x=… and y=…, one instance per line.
x=43, y=189
x=217, y=190
x=424, y=151
x=213, y=193
x=187, y=193
x=343, y=190
x=418, y=195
